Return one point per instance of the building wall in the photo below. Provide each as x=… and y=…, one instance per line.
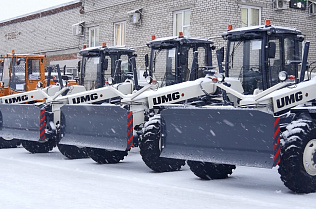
x=52, y=34
x=208, y=19
x=48, y=32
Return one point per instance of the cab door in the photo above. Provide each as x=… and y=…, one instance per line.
x=34, y=73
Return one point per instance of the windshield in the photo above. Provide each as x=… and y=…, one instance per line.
x=285, y=59
x=93, y=71
x=164, y=66
x=33, y=66
x=18, y=82
x=90, y=65
x=258, y=66
x=166, y=61
x=244, y=63
x=120, y=69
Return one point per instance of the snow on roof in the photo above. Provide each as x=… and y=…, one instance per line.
x=41, y=11
x=110, y=48
x=262, y=28
x=173, y=39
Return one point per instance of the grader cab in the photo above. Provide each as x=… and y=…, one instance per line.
x=21, y=73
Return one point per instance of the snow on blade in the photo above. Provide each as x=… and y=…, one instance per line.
x=228, y=123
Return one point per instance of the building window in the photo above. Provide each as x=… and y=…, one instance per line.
x=181, y=22
x=312, y=7
x=120, y=34
x=93, y=36
x=250, y=16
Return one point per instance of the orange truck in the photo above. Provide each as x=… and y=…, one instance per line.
x=21, y=72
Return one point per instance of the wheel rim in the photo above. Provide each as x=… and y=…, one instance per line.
x=309, y=157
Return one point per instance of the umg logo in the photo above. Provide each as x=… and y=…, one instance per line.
x=16, y=99
x=166, y=98
x=86, y=98
x=288, y=100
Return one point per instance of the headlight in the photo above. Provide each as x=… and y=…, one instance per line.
x=282, y=76
x=110, y=80
x=39, y=85
x=149, y=79
x=218, y=78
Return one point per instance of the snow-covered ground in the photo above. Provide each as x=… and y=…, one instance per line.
x=52, y=181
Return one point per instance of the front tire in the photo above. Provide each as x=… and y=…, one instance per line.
x=13, y=143
x=39, y=147
x=150, y=149
x=72, y=152
x=208, y=171
x=103, y=156
x=297, y=166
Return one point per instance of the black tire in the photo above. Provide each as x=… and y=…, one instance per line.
x=297, y=167
x=208, y=171
x=103, y=156
x=150, y=149
x=72, y=152
x=39, y=147
x=13, y=143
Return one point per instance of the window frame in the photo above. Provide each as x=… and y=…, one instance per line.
x=182, y=23
x=311, y=7
x=249, y=14
x=115, y=38
x=96, y=42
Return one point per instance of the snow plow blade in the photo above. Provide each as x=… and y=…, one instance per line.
x=20, y=121
x=221, y=135
x=96, y=126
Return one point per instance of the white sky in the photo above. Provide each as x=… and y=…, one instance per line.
x=14, y=8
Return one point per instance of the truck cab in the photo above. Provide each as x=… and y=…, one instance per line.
x=102, y=63
x=178, y=59
x=256, y=55
x=21, y=72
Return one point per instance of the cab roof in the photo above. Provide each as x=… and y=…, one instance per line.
x=170, y=42
x=29, y=56
x=260, y=29
x=106, y=50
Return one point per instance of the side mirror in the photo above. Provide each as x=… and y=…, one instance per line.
x=271, y=50
x=79, y=66
x=146, y=60
x=183, y=59
x=18, y=62
x=105, y=64
x=220, y=59
x=220, y=54
x=65, y=77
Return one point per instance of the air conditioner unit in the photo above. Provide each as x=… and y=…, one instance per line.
x=281, y=4
x=135, y=16
x=135, y=19
x=77, y=29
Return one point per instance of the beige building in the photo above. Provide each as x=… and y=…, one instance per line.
x=61, y=31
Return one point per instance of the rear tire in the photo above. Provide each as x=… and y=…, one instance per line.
x=72, y=152
x=103, y=156
x=39, y=147
x=208, y=171
x=150, y=149
x=297, y=166
x=13, y=143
